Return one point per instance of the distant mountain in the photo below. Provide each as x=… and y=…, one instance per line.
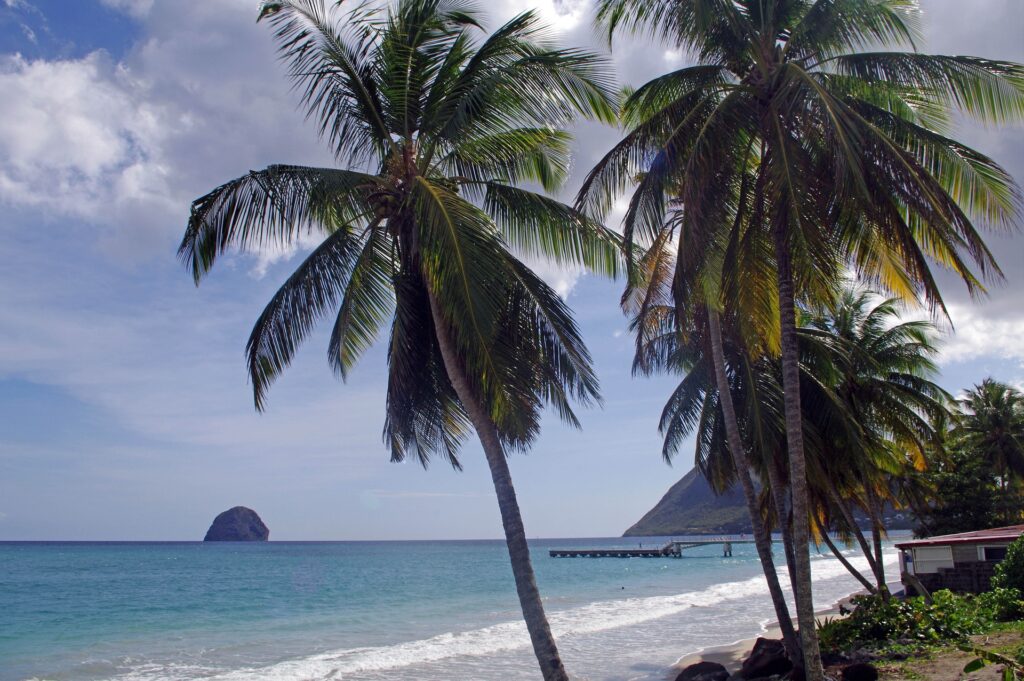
x=691, y=507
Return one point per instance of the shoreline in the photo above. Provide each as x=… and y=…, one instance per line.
x=731, y=655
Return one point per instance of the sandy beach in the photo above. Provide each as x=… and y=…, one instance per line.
x=731, y=655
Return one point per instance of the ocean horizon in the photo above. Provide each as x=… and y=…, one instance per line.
x=365, y=610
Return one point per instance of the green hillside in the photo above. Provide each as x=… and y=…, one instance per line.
x=690, y=507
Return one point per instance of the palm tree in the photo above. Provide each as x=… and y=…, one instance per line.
x=853, y=163
x=991, y=425
x=688, y=338
x=881, y=377
x=436, y=124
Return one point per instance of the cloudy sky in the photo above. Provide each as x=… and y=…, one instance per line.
x=124, y=407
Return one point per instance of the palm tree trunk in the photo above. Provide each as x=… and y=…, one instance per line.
x=874, y=504
x=762, y=540
x=842, y=559
x=797, y=465
x=847, y=514
x=515, y=535
x=780, y=499
x=876, y=541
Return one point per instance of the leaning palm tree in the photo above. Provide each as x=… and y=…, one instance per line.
x=436, y=124
x=991, y=424
x=677, y=311
x=881, y=375
x=854, y=163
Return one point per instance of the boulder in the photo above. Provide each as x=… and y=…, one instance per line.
x=237, y=524
x=768, y=658
x=861, y=671
x=704, y=671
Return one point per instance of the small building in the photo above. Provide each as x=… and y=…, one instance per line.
x=962, y=562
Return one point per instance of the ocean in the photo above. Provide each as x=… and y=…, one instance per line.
x=369, y=611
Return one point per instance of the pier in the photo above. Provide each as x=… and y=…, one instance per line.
x=673, y=549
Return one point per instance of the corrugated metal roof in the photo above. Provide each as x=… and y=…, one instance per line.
x=1000, y=534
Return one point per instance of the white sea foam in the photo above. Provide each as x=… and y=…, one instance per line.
x=500, y=638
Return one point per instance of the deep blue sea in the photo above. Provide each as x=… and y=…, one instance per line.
x=367, y=610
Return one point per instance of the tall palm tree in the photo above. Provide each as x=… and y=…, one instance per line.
x=678, y=311
x=854, y=165
x=688, y=338
x=991, y=424
x=437, y=123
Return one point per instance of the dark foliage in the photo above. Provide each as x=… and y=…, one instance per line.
x=964, y=498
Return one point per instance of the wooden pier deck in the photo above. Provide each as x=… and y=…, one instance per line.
x=673, y=549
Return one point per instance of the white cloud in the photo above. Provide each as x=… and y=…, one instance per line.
x=978, y=335
x=78, y=137
x=126, y=145
x=559, y=15
x=135, y=8
x=562, y=278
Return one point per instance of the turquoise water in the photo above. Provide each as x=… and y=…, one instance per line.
x=365, y=610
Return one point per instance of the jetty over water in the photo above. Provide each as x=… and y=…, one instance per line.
x=673, y=549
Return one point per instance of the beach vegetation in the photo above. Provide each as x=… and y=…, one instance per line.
x=680, y=326
x=869, y=412
x=436, y=126
x=963, y=495
x=991, y=426
x=892, y=626
x=1009, y=572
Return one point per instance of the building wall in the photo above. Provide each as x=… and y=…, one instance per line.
x=953, y=566
x=930, y=559
x=965, y=553
x=967, y=577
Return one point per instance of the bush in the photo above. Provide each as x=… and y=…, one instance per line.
x=1010, y=570
x=951, y=618
x=1002, y=605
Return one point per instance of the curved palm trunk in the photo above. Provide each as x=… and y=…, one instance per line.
x=762, y=540
x=780, y=500
x=865, y=548
x=515, y=535
x=842, y=559
x=877, y=527
x=876, y=539
x=797, y=465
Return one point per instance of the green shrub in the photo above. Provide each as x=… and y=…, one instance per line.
x=1010, y=570
x=1002, y=605
x=950, y=618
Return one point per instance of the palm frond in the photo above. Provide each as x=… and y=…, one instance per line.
x=539, y=226
x=308, y=294
x=366, y=304
x=990, y=90
x=271, y=208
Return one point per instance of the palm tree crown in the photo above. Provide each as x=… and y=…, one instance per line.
x=991, y=424
x=437, y=128
x=850, y=147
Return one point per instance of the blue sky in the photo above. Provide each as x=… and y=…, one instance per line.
x=124, y=407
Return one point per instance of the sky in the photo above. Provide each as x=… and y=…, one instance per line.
x=125, y=411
